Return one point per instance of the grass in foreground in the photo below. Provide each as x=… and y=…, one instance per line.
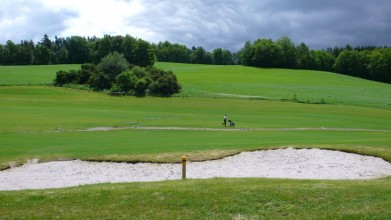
x=206, y=199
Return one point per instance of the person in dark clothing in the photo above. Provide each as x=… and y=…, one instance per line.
x=225, y=120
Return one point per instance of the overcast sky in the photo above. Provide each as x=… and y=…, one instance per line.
x=207, y=23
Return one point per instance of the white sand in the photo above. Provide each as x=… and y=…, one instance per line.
x=282, y=163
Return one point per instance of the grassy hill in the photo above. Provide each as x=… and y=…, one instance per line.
x=278, y=84
x=31, y=75
x=241, y=82
x=272, y=108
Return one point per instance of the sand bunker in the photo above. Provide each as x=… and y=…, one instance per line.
x=282, y=163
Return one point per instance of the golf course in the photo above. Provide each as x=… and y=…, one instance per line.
x=272, y=108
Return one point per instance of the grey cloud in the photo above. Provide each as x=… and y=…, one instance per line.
x=30, y=20
x=195, y=23
x=229, y=24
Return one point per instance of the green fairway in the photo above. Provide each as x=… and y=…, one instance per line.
x=48, y=122
x=241, y=82
x=257, y=83
x=31, y=75
x=272, y=108
x=50, y=108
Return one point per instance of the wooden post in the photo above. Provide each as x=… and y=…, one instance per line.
x=183, y=167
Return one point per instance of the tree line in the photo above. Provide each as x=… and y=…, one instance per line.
x=76, y=50
x=174, y=52
x=367, y=62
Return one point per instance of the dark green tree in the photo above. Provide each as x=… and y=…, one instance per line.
x=227, y=57
x=46, y=42
x=304, y=60
x=266, y=53
x=246, y=54
x=199, y=55
x=129, y=48
x=102, y=48
x=1, y=54
x=60, y=52
x=288, y=57
x=144, y=54
x=78, y=50
x=168, y=52
x=322, y=60
x=379, y=67
x=10, y=53
x=117, y=44
x=42, y=55
x=217, y=55
x=25, y=53
x=349, y=62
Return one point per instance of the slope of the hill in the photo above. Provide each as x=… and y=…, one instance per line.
x=282, y=84
x=241, y=82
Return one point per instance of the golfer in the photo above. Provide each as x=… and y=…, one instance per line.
x=225, y=120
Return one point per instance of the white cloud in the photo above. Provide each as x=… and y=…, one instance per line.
x=28, y=20
x=96, y=18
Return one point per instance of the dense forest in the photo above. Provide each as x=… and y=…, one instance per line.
x=76, y=50
x=367, y=62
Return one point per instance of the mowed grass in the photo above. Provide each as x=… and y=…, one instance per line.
x=49, y=123
x=32, y=75
x=206, y=199
x=241, y=82
x=50, y=108
x=45, y=122
x=257, y=83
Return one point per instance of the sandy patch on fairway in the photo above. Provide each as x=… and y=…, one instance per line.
x=281, y=163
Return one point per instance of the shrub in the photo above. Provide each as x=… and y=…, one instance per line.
x=64, y=77
x=112, y=65
x=86, y=71
x=100, y=81
x=162, y=83
x=115, y=74
x=125, y=81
